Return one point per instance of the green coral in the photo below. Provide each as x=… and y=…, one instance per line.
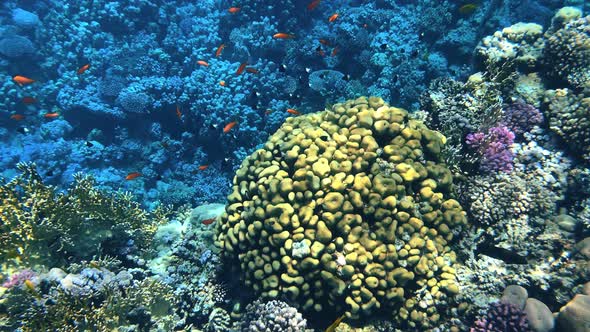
x=42, y=226
x=378, y=237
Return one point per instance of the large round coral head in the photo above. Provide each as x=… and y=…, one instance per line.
x=348, y=210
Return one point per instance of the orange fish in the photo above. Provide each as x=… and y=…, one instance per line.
x=203, y=63
x=234, y=10
x=267, y=112
x=365, y=25
x=51, y=115
x=282, y=35
x=252, y=70
x=222, y=83
x=313, y=4
x=29, y=100
x=292, y=111
x=83, y=69
x=203, y=167
x=321, y=52
x=229, y=126
x=132, y=175
x=324, y=42
x=17, y=117
x=335, y=51
x=21, y=80
x=219, y=50
x=241, y=68
x=333, y=17
x=208, y=221
x=178, y=113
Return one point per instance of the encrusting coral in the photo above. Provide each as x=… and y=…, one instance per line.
x=41, y=225
x=361, y=186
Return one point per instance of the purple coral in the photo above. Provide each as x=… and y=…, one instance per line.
x=502, y=317
x=494, y=148
x=19, y=278
x=521, y=117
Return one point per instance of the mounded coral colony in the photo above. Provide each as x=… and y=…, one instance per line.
x=361, y=188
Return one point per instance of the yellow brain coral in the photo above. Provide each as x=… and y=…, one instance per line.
x=347, y=209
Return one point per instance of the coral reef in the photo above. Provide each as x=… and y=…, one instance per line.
x=272, y=316
x=361, y=185
x=502, y=317
x=43, y=226
x=93, y=299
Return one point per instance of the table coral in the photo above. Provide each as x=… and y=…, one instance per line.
x=320, y=179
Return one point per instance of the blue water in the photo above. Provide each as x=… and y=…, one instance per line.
x=124, y=123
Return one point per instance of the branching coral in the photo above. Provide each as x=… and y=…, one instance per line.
x=40, y=224
x=318, y=180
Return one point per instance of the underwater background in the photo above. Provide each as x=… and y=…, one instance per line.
x=305, y=165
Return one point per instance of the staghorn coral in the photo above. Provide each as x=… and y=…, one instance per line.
x=41, y=225
x=378, y=240
x=568, y=114
x=272, y=316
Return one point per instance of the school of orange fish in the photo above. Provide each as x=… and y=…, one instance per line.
x=28, y=100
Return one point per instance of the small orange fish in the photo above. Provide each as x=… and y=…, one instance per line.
x=365, y=25
x=267, y=112
x=333, y=17
x=335, y=51
x=17, y=117
x=132, y=175
x=83, y=69
x=222, y=83
x=28, y=100
x=313, y=4
x=208, y=221
x=219, y=50
x=234, y=10
x=203, y=63
x=178, y=113
x=252, y=70
x=293, y=111
x=229, y=126
x=51, y=115
x=241, y=68
x=203, y=167
x=21, y=80
x=324, y=42
x=282, y=35
x=321, y=52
